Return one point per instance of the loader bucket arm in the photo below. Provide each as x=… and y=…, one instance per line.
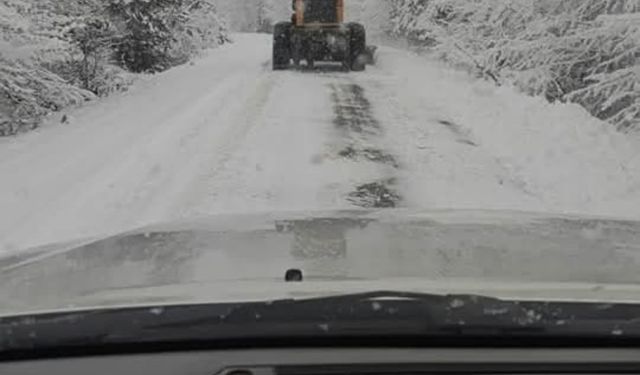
x=340, y=10
x=299, y=9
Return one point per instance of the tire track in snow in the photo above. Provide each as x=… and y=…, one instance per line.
x=141, y=155
x=278, y=165
x=123, y=159
x=505, y=176
x=361, y=130
x=444, y=164
x=194, y=183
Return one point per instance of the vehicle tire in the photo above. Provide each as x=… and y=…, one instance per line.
x=357, y=46
x=281, y=45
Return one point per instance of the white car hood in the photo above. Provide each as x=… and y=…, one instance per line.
x=270, y=290
x=236, y=259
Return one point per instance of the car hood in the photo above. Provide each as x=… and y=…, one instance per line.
x=245, y=257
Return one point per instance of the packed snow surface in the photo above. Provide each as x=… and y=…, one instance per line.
x=227, y=134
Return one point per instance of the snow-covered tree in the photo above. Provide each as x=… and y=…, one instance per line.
x=55, y=53
x=32, y=38
x=29, y=92
x=254, y=15
x=373, y=14
x=584, y=51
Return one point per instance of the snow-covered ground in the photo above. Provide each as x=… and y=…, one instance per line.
x=226, y=134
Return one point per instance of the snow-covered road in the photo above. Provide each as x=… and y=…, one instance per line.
x=226, y=134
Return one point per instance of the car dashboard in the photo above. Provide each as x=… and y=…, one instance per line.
x=336, y=361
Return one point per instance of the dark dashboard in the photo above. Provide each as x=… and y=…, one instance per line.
x=333, y=361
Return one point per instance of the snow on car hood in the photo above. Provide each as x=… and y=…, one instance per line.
x=244, y=258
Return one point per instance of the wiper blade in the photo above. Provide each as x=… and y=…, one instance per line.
x=376, y=314
x=444, y=310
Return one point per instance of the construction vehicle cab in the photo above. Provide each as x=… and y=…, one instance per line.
x=317, y=32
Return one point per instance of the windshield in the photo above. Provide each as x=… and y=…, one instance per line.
x=150, y=147
x=321, y=11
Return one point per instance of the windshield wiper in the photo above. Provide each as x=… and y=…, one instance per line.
x=366, y=315
x=384, y=311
